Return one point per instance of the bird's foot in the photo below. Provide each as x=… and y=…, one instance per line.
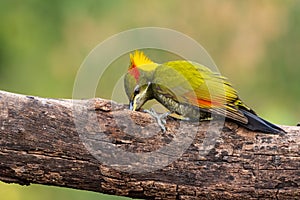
x=160, y=118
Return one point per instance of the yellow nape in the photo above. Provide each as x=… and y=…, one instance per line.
x=139, y=58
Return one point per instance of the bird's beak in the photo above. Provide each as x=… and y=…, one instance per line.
x=131, y=105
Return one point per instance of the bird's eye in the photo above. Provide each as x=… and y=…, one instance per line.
x=136, y=90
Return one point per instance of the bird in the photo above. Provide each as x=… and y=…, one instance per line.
x=190, y=91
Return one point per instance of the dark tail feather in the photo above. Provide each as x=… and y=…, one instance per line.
x=255, y=123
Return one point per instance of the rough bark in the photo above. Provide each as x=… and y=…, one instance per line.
x=101, y=146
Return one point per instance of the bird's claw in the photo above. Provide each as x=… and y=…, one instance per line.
x=160, y=118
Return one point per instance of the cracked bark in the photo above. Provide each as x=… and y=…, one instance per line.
x=98, y=145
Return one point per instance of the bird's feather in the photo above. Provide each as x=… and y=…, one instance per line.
x=195, y=84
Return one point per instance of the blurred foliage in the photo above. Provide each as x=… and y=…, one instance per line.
x=38, y=192
x=254, y=43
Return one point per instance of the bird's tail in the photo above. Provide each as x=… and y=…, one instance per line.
x=255, y=123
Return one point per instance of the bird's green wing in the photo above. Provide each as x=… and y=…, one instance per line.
x=195, y=84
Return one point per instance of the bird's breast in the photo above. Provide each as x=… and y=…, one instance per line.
x=187, y=111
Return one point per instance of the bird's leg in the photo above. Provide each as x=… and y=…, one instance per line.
x=160, y=118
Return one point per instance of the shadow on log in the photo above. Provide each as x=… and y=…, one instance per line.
x=98, y=145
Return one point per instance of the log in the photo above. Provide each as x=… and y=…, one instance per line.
x=99, y=145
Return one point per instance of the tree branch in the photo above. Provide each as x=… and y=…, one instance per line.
x=98, y=145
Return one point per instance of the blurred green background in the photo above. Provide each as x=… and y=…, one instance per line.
x=256, y=44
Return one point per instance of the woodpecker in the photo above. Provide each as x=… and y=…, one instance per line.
x=190, y=91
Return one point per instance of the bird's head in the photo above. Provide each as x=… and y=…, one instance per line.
x=138, y=79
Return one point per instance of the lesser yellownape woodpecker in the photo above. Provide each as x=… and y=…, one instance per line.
x=189, y=91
